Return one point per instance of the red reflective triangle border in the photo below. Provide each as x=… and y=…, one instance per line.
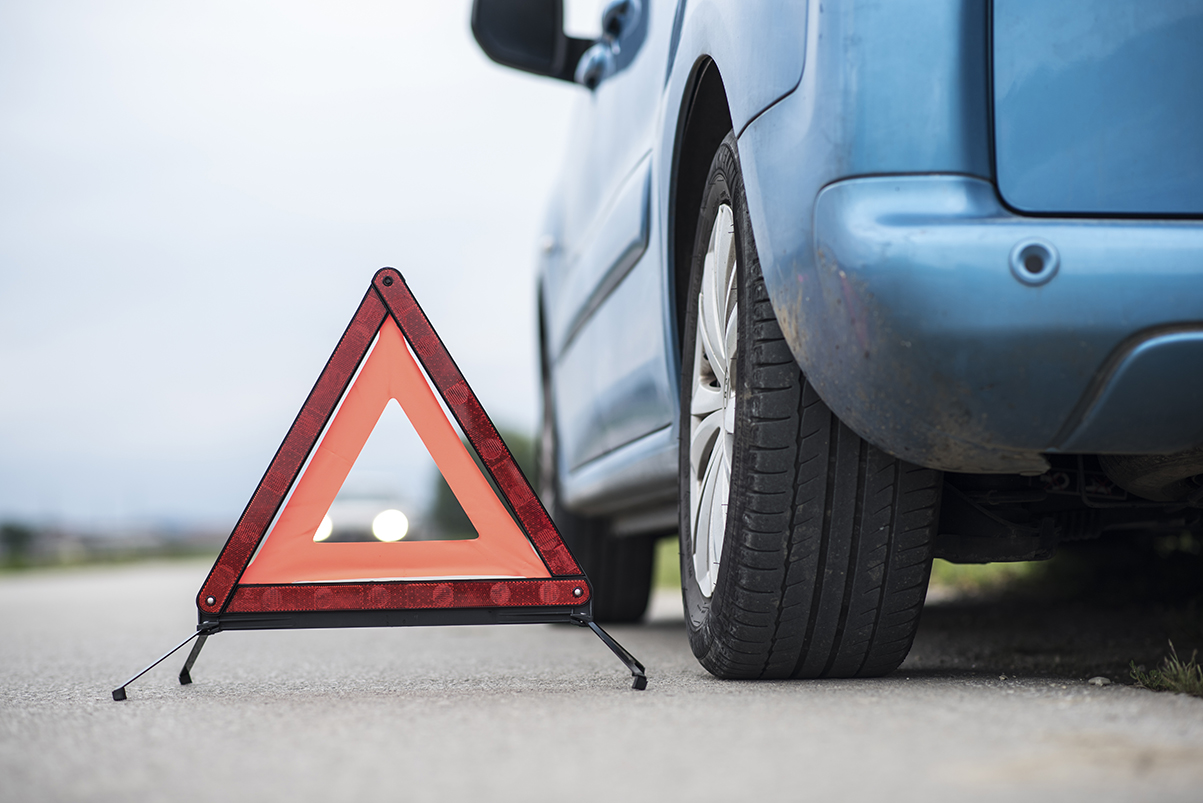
x=390, y=296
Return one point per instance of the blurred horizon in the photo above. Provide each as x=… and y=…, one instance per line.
x=196, y=197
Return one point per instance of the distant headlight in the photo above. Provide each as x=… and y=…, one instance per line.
x=390, y=525
x=324, y=529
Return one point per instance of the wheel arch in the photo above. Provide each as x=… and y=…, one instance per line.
x=704, y=119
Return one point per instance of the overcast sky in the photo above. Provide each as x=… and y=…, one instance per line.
x=194, y=199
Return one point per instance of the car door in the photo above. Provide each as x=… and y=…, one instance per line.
x=603, y=291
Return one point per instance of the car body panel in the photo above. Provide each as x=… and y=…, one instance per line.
x=760, y=46
x=859, y=111
x=865, y=139
x=1098, y=106
x=607, y=301
x=1150, y=401
x=598, y=272
x=611, y=133
x=637, y=478
x=610, y=384
x=935, y=350
x=602, y=258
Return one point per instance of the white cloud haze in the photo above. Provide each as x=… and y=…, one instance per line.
x=193, y=199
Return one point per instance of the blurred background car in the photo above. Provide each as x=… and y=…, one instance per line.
x=832, y=288
x=373, y=516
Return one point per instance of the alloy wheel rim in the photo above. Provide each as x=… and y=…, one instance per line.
x=712, y=401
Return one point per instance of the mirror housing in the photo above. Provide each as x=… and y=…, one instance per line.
x=527, y=35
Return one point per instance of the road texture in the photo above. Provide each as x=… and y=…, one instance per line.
x=993, y=704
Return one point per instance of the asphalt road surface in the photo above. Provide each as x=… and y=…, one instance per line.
x=993, y=704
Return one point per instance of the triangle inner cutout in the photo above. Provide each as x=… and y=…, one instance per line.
x=394, y=475
x=289, y=553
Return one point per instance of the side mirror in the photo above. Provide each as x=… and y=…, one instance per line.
x=527, y=35
x=623, y=28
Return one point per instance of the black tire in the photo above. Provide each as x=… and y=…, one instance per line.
x=619, y=568
x=826, y=548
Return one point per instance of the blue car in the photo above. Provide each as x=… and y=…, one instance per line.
x=833, y=288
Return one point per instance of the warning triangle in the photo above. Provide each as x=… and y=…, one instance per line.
x=272, y=562
x=289, y=553
x=275, y=570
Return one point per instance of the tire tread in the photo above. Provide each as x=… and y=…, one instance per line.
x=828, y=544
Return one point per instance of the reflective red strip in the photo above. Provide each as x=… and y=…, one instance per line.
x=401, y=596
x=391, y=294
x=291, y=455
x=481, y=433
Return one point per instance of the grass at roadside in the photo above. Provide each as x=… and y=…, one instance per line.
x=1174, y=674
x=666, y=572
x=978, y=578
x=666, y=565
x=106, y=556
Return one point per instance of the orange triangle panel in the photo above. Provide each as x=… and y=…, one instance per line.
x=271, y=563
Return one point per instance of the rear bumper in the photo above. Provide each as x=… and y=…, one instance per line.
x=920, y=333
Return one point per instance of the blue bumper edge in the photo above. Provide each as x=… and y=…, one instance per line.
x=924, y=322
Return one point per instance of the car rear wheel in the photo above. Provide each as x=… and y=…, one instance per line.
x=805, y=550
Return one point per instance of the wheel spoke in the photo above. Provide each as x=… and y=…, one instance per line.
x=723, y=246
x=717, y=292
x=701, y=443
x=721, y=474
x=710, y=522
x=703, y=495
x=711, y=330
x=731, y=335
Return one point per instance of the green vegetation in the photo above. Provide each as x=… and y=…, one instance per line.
x=666, y=566
x=25, y=545
x=983, y=577
x=969, y=578
x=1125, y=568
x=1174, y=674
x=23, y=548
x=16, y=541
x=446, y=513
